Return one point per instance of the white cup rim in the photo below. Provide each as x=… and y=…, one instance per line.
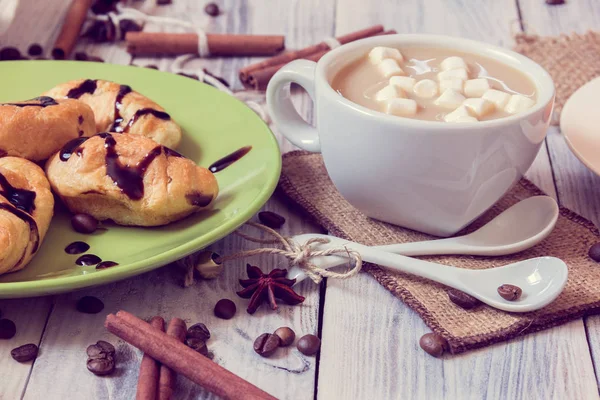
x=536, y=73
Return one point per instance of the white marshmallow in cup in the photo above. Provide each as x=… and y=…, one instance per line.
x=401, y=107
x=455, y=84
x=476, y=87
x=406, y=83
x=479, y=107
x=454, y=62
x=389, y=67
x=498, y=97
x=389, y=92
x=426, y=89
x=380, y=53
x=450, y=99
x=454, y=73
x=518, y=103
x=460, y=112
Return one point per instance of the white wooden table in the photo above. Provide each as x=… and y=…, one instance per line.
x=369, y=338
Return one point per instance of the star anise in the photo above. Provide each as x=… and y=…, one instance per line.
x=261, y=288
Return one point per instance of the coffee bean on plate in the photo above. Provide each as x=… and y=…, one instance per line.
x=8, y=329
x=433, y=344
x=81, y=56
x=90, y=305
x=308, y=345
x=225, y=309
x=286, y=336
x=462, y=299
x=594, y=252
x=271, y=219
x=101, y=366
x=84, y=223
x=25, y=353
x=197, y=345
x=266, y=344
x=9, y=54
x=198, y=331
x=509, y=292
x=212, y=9
x=35, y=50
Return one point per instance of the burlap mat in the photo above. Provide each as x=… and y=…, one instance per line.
x=304, y=180
x=572, y=60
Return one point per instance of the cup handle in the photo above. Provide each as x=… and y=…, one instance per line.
x=282, y=111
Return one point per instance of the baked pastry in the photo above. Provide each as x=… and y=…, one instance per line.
x=26, y=208
x=130, y=179
x=37, y=128
x=118, y=108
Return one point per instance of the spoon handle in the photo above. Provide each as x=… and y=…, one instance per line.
x=427, y=248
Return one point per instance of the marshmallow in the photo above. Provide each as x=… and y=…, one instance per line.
x=479, y=107
x=476, y=87
x=402, y=107
x=450, y=99
x=426, y=89
x=498, y=97
x=406, y=83
x=460, y=112
x=389, y=67
x=518, y=103
x=378, y=54
x=465, y=119
x=389, y=92
x=451, y=63
x=455, y=84
x=454, y=73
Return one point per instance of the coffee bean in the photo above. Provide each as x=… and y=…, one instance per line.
x=9, y=54
x=8, y=329
x=197, y=345
x=462, y=299
x=101, y=366
x=95, y=351
x=81, y=56
x=106, y=347
x=308, y=345
x=198, y=331
x=225, y=309
x=266, y=344
x=212, y=9
x=151, y=66
x=433, y=344
x=25, y=353
x=58, y=54
x=271, y=219
x=163, y=2
x=594, y=252
x=90, y=305
x=128, y=25
x=510, y=292
x=286, y=335
x=555, y=2
x=84, y=223
x=97, y=32
x=35, y=50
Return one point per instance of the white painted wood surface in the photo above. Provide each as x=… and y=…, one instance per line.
x=370, y=339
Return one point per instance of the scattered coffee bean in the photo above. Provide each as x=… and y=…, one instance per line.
x=198, y=331
x=58, y=54
x=163, y=2
x=555, y=2
x=271, y=219
x=8, y=329
x=25, y=353
x=225, y=309
x=9, y=54
x=197, y=345
x=84, y=223
x=308, y=345
x=266, y=344
x=128, y=25
x=286, y=335
x=212, y=9
x=106, y=347
x=101, y=366
x=151, y=66
x=95, y=351
x=35, y=50
x=97, y=32
x=81, y=56
x=510, y=292
x=462, y=299
x=90, y=305
x=101, y=358
x=104, y=6
x=433, y=344
x=594, y=252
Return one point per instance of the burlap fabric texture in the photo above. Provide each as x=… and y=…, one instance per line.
x=305, y=182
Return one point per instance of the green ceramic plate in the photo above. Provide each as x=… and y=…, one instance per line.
x=214, y=123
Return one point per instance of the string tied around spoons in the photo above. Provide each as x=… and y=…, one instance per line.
x=299, y=255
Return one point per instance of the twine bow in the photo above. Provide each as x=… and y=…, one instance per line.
x=299, y=255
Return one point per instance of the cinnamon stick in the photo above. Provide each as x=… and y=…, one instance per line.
x=149, y=369
x=166, y=385
x=147, y=43
x=71, y=27
x=181, y=358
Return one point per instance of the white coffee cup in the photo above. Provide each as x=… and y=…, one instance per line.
x=429, y=176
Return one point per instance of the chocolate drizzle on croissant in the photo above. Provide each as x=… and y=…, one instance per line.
x=88, y=86
x=42, y=101
x=22, y=199
x=34, y=235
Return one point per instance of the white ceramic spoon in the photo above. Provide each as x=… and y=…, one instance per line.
x=542, y=279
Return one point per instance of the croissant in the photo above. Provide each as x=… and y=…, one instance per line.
x=118, y=108
x=129, y=179
x=37, y=128
x=26, y=208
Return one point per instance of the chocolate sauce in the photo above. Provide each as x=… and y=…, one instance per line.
x=88, y=259
x=198, y=199
x=171, y=153
x=21, y=198
x=123, y=91
x=106, y=264
x=88, y=86
x=72, y=146
x=34, y=235
x=129, y=179
x=226, y=161
x=77, y=248
x=140, y=113
x=44, y=101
